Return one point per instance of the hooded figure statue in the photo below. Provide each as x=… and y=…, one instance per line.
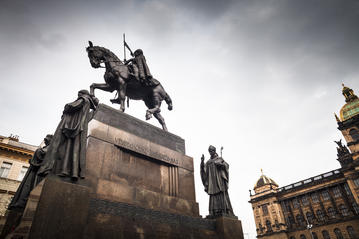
x=214, y=175
x=67, y=152
x=30, y=179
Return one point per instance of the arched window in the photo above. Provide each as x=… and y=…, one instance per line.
x=354, y=133
x=351, y=232
x=314, y=235
x=331, y=212
x=302, y=236
x=309, y=217
x=320, y=215
x=300, y=219
x=338, y=233
x=325, y=234
x=269, y=226
x=343, y=210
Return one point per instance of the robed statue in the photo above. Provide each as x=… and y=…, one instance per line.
x=66, y=156
x=214, y=175
x=31, y=178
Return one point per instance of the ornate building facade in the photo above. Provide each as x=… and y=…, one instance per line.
x=14, y=158
x=324, y=206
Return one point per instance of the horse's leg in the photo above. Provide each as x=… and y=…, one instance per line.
x=155, y=102
x=122, y=92
x=101, y=86
x=161, y=91
x=160, y=119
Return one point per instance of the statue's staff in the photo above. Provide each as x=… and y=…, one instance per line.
x=125, y=45
x=124, y=52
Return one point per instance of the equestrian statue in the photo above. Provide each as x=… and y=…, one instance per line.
x=130, y=78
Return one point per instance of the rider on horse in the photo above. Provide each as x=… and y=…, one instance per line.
x=141, y=70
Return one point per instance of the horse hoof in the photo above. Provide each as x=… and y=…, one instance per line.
x=148, y=116
x=170, y=107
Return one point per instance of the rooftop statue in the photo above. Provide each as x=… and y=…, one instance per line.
x=131, y=78
x=214, y=175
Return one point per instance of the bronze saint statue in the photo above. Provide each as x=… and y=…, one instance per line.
x=214, y=175
x=137, y=84
x=66, y=155
x=30, y=179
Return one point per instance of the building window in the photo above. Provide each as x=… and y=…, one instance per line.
x=261, y=228
x=309, y=217
x=331, y=212
x=355, y=207
x=302, y=236
x=22, y=173
x=325, y=234
x=343, y=210
x=354, y=133
x=320, y=215
x=347, y=189
x=289, y=221
x=296, y=203
x=276, y=224
x=337, y=192
x=351, y=232
x=338, y=233
x=269, y=226
x=325, y=195
x=315, y=197
x=314, y=235
x=4, y=170
x=305, y=200
x=265, y=209
x=300, y=219
x=286, y=206
x=356, y=182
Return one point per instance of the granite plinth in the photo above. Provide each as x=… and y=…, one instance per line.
x=138, y=184
x=133, y=162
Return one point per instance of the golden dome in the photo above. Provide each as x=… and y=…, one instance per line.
x=351, y=108
x=264, y=180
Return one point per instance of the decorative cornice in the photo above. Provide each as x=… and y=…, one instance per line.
x=16, y=149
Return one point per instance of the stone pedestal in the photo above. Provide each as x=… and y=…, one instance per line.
x=138, y=184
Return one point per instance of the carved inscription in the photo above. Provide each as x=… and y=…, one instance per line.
x=146, y=151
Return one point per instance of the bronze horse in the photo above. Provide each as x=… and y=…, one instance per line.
x=118, y=77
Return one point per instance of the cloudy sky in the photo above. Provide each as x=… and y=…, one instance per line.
x=260, y=78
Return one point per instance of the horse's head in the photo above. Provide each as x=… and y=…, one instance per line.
x=95, y=55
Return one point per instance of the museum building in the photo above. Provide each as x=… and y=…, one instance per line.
x=323, y=206
x=14, y=162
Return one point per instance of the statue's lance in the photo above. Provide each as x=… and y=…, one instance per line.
x=125, y=45
x=124, y=52
x=221, y=151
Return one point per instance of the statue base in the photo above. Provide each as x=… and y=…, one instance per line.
x=138, y=184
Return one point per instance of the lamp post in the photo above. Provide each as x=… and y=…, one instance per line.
x=309, y=227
